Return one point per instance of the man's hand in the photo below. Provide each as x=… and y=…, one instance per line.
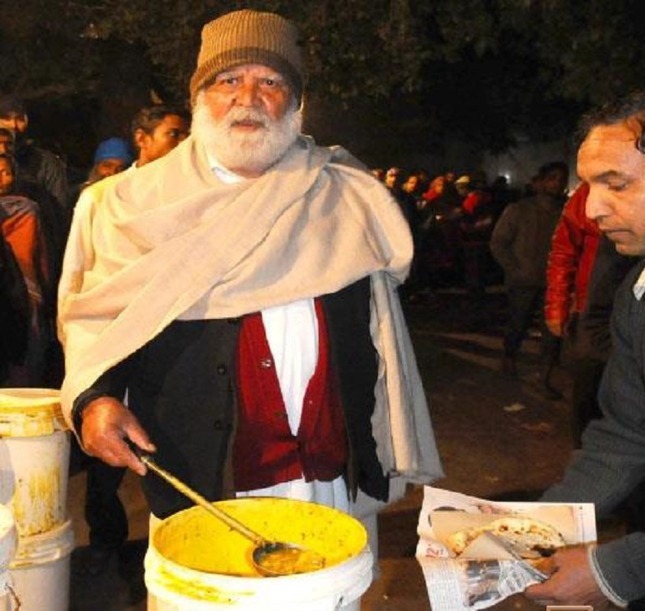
x=106, y=424
x=571, y=583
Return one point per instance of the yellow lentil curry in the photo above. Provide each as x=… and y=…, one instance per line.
x=197, y=540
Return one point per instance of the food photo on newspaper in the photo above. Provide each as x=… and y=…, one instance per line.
x=474, y=553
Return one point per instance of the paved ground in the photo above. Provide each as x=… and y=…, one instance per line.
x=488, y=451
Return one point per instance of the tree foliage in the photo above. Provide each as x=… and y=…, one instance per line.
x=478, y=68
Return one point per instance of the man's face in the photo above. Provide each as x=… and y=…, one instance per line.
x=392, y=178
x=246, y=118
x=610, y=163
x=165, y=137
x=6, y=144
x=109, y=167
x=6, y=176
x=249, y=86
x=554, y=183
x=16, y=122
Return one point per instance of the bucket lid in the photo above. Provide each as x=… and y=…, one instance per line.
x=46, y=547
x=29, y=412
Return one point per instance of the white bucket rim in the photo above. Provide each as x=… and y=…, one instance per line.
x=45, y=547
x=347, y=581
x=30, y=412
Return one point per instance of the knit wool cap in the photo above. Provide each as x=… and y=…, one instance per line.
x=249, y=37
x=113, y=148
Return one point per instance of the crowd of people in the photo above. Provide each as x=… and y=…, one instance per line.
x=452, y=218
x=234, y=306
x=36, y=214
x=37, y=200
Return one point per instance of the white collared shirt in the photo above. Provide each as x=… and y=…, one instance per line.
x=292, y=333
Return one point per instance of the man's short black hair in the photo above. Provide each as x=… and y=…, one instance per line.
x=149, y=117
x=612, y=112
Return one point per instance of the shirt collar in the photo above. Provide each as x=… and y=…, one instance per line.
x=639, y=287
x=224, y=174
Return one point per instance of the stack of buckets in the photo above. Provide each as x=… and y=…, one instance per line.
x=34, y=462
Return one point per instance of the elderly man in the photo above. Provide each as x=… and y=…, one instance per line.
x=611, y=463
x=242, y=290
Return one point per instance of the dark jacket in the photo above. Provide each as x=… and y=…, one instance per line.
x=43, y=168
x=521, y=240
x=611, y=463
x=609, y=270
x=180, y=386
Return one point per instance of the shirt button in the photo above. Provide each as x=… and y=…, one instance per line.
x=266, y=363
x=222, y=369
x=218, y=425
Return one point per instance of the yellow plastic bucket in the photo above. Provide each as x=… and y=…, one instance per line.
x=34, y=458
x=196, y=563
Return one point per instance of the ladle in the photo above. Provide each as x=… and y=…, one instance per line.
x=271, y=558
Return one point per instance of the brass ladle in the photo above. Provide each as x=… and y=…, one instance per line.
x=270, y=558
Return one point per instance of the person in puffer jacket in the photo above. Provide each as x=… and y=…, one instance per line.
x=571, y=258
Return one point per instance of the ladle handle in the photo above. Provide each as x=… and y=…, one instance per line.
x=197, y=498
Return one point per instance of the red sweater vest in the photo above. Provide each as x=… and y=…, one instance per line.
x=265, y=452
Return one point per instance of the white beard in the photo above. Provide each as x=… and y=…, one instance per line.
x=245, y=153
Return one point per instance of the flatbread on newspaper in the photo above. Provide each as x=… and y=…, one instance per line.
x=528, y=537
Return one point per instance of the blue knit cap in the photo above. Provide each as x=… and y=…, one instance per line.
x=114, y=148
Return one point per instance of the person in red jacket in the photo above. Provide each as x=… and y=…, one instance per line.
x=571, y=258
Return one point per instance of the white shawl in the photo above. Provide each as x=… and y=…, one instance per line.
x=170, y=241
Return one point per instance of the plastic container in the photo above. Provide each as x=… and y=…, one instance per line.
x=8, y=544
x=40, y=570
x=196, y=563
x=34, y=458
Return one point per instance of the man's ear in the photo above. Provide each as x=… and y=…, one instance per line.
x=139, y=138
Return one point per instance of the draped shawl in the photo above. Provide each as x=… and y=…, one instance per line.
x=171, y=241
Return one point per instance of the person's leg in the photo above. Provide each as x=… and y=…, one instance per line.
x=551, y=346
x=104, y=513
x=521, y=305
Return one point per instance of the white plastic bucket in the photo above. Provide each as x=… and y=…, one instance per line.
x=8, y=544
x=40, y=570
x=196, y=563
x=34, y=458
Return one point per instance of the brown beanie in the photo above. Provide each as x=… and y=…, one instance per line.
x=249, y=37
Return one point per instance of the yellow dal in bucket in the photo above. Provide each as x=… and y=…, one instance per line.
x=197, y=540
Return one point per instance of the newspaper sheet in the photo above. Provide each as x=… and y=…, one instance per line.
x=474, y=553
